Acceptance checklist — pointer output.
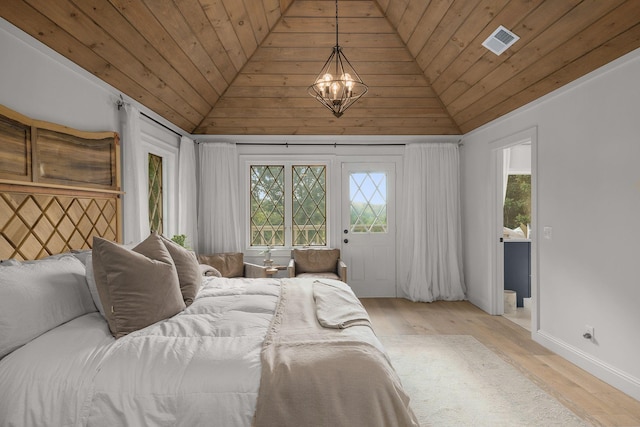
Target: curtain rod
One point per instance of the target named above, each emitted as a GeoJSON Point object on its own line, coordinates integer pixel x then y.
{"type": "Point", "coordinates": [320, 144]}
{"type": "Point", "coordinates": [161, 124]}
{"type": "Point", "coordinates": [334, 144]}
{"type": "Point", "coordinates": [120, 103]}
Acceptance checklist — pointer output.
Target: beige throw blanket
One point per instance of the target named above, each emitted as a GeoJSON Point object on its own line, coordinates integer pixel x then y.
{"type": "Point", "coordinates": [315, 376]}
{"type": "Point", "coordinates": [337, 306]}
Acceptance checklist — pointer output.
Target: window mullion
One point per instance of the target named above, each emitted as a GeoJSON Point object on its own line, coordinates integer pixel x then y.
{"type": "Point", "coordinates": [288, 205]}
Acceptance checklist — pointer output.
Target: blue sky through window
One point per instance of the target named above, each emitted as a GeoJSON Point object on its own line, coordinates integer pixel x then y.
{"type": "Point", "coordinates": [368, 187]}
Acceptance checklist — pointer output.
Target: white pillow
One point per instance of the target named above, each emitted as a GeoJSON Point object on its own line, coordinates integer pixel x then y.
{"type": "Point", "coordinates": [93, 288]}
{"type": "Point", "coordinates": [37, 297]}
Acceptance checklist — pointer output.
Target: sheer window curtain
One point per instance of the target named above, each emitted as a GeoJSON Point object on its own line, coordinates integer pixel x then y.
{"type": "Point", "coordinates": [218, 198]}
{"type": "Point", "coordinates": [134, 182]}
{"type": "Point", "coordinates": [187, 192]}
{"type": "Point", "coordinates": [430, 255]}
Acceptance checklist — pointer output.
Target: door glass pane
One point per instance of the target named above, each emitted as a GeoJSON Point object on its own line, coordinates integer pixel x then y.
{"type": "Point", "coordinates": [368, 202]}
{"type": "Point", "coordinates": [309, 205]}
{"type": "Point", "coordinates": [267, 205]}
{"type": "Point", "coordinates": [155, 193]}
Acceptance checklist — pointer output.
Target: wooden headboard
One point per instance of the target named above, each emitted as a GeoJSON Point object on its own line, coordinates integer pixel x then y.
{"type": "Point", "coordinates": [59, 187]}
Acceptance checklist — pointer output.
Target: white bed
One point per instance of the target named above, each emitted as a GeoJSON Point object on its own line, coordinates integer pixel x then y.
{"type": "Point", "coordinates": [170, 350]}
{"type": "Point", "coordinates": [202, 366]}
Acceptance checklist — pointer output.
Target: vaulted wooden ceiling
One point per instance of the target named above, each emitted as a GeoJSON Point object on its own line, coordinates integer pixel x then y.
{"type": "Point", "coordinates": [243, 66]}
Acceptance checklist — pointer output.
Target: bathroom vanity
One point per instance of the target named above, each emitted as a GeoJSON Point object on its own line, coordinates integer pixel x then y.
{"type": "Point", "coordinates": [517, 268]}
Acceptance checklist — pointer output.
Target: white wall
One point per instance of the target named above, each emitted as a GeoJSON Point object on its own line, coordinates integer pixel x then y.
{"type": "Point", "coordinates": [588, 160]}
{"type": "Point", "coordinates": [41, 84]}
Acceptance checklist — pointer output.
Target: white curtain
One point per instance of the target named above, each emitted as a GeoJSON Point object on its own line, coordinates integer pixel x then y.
{"type": "Point", "coordinates": [188, 192]}
{"type": "Point", "coordinates": [218, 213]}
{"type": "Point", "coordinates": [430, 254]}
{"type": "Point", "coordinates": [134, 183]}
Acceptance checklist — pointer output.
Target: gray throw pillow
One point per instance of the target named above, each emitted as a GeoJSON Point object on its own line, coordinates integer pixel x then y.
{"type": "Point", "coordinates": [188, 269]}
{"type": "Point", "coordinates": [137, 287]}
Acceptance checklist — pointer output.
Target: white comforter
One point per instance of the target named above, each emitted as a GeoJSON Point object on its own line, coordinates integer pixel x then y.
{"type": "Point", "coordinates": [201, 367]}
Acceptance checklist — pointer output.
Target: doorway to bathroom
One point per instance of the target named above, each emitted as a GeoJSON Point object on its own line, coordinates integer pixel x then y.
{"type": "Point", "coordinates": [514, 209]}
{"type": "Point", "coordinates": [516, 223]}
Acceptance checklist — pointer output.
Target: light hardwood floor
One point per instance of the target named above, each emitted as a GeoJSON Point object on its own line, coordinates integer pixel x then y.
{"type": "Point", "coordinates": [590, 398]}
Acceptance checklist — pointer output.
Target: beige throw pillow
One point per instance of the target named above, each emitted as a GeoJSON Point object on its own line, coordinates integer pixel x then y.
{"type": "Point", "coordinates": [188, 269]}
{"type": "Point", "coordinates": [229, 264]}
{"type": "Point", "coordinates": [316, 260]}
{"type": "Point", "coordinates": [137, 288]}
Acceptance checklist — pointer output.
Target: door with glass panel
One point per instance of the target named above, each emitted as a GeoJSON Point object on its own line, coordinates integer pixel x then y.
{"type": "Point", "coordinates": [368, 228]}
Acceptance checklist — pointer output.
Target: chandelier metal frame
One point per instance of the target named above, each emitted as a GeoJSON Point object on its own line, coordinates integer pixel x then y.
{"type": "Point", "coordinates": [337, 91]}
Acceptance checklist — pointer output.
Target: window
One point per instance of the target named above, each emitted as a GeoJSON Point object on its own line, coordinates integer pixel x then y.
{"type": "Point", "coordinates": [267, 205]}
{"type": "Point", "coordinates": [155, 193]}
{"type": "Point", "coordinates": [288, 205]}
{"type": "Point", "coordinates": [368, 202]}
{"type": "Point", "coordinates": [160, 157]}
{"type": "Point", "coordinates": [517, 202]}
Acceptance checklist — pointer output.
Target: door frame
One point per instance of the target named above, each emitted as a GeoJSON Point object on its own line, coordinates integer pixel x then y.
{"type": "Point", "coordinates": [496, 245]}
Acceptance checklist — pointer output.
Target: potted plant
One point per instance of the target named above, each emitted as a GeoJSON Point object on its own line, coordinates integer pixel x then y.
{"type": "Point", "coordinates": [267, 255]}
{"type": "Point", "coordinates": [180, 239]}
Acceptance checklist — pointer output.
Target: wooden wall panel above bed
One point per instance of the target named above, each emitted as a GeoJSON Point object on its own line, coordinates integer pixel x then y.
{"type": "Point", "coordinates": [15, 156]}
{"type": "Point", "coordinates": [67, 159]}
{"type": "Point", "coordinates": [59, 187]}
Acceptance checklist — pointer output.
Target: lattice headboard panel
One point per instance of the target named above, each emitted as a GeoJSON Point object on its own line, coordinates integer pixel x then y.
{"type": "Point", "coordinates": [59, 187]}
{"type": "Point", "coordinates": [38, 225]}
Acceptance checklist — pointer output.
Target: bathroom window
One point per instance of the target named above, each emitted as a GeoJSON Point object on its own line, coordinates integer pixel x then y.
{"type": "Point", "coordinates": [517, 202]}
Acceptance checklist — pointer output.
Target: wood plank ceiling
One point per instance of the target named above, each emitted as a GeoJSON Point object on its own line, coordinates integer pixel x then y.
{"type": "Point", "coordinates": [243, 66]}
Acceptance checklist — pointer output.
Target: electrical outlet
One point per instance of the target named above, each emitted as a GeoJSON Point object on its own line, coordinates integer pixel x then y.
{"type": "Point", "coordinates": [588, 332]}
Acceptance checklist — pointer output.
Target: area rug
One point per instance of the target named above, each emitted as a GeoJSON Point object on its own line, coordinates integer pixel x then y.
{"type": "Point", "coordinates": [454, 380]}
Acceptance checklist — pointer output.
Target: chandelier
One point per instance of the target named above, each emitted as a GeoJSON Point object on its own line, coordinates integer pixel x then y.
{"type": "Point", "coordinates": [338, 85]}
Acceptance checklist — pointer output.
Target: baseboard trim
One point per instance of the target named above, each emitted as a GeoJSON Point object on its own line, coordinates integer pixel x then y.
{"type": "Point", "coordinates": [596, 367]}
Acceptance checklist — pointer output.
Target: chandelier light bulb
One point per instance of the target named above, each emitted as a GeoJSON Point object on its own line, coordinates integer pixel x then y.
{"type": "Point", "coordinates": [335, 88]}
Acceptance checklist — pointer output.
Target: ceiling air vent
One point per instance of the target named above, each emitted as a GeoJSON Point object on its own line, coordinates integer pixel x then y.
{"type": "Point", "coordinates": [500, 40]}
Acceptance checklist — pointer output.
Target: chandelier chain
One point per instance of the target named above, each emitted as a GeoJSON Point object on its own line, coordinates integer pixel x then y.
{"type": "Point", "coordinates": [337, 44]}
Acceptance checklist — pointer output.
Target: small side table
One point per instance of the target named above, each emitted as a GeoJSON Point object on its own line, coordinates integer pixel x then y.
{"type": "Point", "coordinates": [271, 271]}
